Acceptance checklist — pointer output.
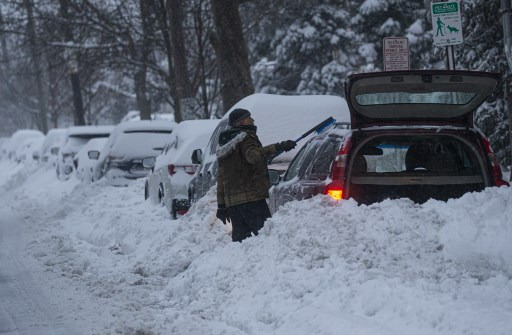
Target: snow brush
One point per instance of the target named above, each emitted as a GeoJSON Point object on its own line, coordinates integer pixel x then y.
{"type": "Point", "coordinates": [319, 128]}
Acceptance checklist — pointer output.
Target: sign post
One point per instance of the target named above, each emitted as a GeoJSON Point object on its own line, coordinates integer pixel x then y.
{"type": "Point", "coordinates": [396, 54]}
{"type": "Point", "coordinates": [447, 24]}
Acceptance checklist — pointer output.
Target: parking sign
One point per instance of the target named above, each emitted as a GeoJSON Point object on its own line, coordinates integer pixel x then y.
{"type": "Point", "coordinates": [447, 23]}
{"type": "Point", "coordinates": [396, 54]}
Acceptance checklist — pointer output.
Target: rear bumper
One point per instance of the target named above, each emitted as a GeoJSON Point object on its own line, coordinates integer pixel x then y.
{"type": "Point", "coordinates": [181, 205]}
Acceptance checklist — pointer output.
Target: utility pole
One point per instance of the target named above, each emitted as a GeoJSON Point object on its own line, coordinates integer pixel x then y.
{"type": "Point", "coordinates": [506, 16]}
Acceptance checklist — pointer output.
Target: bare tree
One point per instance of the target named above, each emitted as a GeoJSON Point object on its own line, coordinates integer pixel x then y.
{"type": "Point", "coordinates": [36, 64]}
{"type": "Point", "coordinates": [231, 50]}
{"type": "Point", "coordinates": [73, 69]}
{"type": "Point", "coordinates": [179, 56]}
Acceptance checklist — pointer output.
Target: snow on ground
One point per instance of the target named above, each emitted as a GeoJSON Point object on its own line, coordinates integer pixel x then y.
{"type": "Point", "coordinates": [318, 267]}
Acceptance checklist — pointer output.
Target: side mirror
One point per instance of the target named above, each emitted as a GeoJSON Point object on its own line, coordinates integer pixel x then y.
{"type": "Point", "coordinates": [197, 156]}
{"type": "Point", "coordinates": [93, 154]}
{"type": "Point", "coordinates": [274, 177]}
{"type": "Point", "coordinates": [54, 151]}
{"type": "Point", "coordinates": [149, 162]}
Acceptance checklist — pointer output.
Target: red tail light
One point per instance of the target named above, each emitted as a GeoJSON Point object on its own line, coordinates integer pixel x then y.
{"type": "Point", "coordinates": [336, 187]}
{"type": "Point", "coordinates": [335, 190]}
{"type": "Point", "coordinates": [189, 169]}
{"type": "Point", "coordinates": [171, 170]}
{"type": "Point", "coordinates": [495, 165]}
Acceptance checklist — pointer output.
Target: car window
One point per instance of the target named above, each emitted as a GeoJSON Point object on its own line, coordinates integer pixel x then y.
{"type": "Point", "coordinates": [323, 160]}
{"type": "Point", "coordinates": [297, 163]}
{"type": "Point", "coordinates": [214, 141]}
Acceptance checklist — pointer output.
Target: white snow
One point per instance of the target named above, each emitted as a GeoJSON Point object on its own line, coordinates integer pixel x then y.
{"type": "Point", "coordinates": [119, 265]}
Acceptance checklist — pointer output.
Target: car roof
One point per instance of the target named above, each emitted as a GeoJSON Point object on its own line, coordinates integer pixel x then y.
{"type": "Point", "coordinates": [146, 125]}
{"type": "Point", "coordinates": [191, 128]}
{"type": "Point", "coordinates": [88, 130]}
{"type": "Point", "coordinates": [284, 117]}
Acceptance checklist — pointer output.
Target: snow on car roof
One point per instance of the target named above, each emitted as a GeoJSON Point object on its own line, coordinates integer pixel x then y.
{"type": "Point", "coordinates": [187, 136]}
{"type": "Point", "coordinates": [145, 125]}
{"type": "Point", "coordinates": [53, 137]}
{"type": "Point", "coordinates": [89, 130]}
{"type": "Point", "coordinates": [17, 138]}
{"type": "Point", "coordinates": [287, 117]}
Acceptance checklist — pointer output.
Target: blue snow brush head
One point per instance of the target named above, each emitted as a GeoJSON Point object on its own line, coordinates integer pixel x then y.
{"type": "Point", "coordinates": [331, 121]}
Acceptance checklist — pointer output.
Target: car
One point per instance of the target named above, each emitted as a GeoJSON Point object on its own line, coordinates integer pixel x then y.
{"type": "Point", "coordinates": [278, 118]}
{"type": "Point", "coordinates": [17, 139]}
{"type": "Point", "coordinates": [412, 136]}
{"type": "Point", "coordinates": [130, 143]}
{"type": "Point", "coordinates": [167, 184]}
{"type": "Point", "coordinates": [3, 142]}
{"type": "Point", "coordinates": [86, 160]}
{"type": "Point", "coordinates": [51, 145]}
{"type": "Point", "coordinates": [75, 138]}
{"type": "Point", "coordinates": [29, 150]}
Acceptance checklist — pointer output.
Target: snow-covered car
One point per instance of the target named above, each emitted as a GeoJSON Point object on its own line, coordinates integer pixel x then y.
{"type": "Point", "coordinates": [412, 137]}
{"type": "Point", "coordinates": [167, 184]}
{"type": "Point", "coordinates": [75, 139]}
{"type": "Point", "coordinates": [29, 150]}
{"type": "Point", "coordinates": [130, 143]}
{"type": "Point", "coordinates": [86, 160]}
{"type": "Point", "coordinates": [278, 118]}
{"type": "Point", "coordinates": [16, 141]}
{"type": "Point", "coordinates": [51, 145]}
{"type": "Point", "coordinates": [3, 145]}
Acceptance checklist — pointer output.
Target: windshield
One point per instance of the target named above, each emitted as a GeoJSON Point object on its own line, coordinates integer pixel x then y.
{"type": "Point", "coordinates": [140, 144]}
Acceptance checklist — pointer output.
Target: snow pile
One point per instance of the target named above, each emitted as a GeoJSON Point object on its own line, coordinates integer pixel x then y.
{"type": "Point", "coordinates": [317, 267]}
{"type": "Point", "coordinates": [320, 267]}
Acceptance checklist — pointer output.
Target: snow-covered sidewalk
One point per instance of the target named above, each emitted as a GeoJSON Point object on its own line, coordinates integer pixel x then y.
{"type": "Point", "coordinates": [318, 267]}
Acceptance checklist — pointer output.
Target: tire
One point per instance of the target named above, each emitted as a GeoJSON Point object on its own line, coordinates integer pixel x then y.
{"type": "Point", "coordinates": [161, 194]}
{"type": "Point", "coordinates": [174, 215]}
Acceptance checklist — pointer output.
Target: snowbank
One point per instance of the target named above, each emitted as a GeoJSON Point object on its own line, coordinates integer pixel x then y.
{"type": "Point", "coordinates": [317, 267]}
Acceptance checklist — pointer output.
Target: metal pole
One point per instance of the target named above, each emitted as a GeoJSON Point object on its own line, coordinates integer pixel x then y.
{"type": "Point", "coordinates": [450, 57]}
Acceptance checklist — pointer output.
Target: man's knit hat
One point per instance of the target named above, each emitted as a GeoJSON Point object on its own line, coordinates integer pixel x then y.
{"type": "Point", "coordinates": [238, 115]}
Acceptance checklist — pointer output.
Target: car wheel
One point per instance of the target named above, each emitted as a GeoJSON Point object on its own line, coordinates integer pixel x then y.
{"type": "Point", "coordinates": [161, 194]}
{"type": "Point", "coordinates": [174, 215]}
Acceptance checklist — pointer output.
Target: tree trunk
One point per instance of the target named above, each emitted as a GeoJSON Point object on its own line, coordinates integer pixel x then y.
{"type": "Point", "coordinates": [200, 34]}
{"type": "Point", "coordinates": [231, 52]}
{"type": "Point", "coordinates": [73, 67]}
{"type": "Point", "coordinates": [5, 54]}
{"type": "Point", "coordinates": [36, 63]}
{"type": "Point", "coordinates": [145, 50]}
{"type": "Point", "coordinates": [171, 78]}
{"type": "Point", "coordinates": [183, 86]}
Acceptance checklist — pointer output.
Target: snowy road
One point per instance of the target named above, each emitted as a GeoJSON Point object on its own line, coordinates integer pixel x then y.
{"type": "Point", "coordinates": [24, 306]}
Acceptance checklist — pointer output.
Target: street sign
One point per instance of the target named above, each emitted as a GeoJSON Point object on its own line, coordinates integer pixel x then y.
{"type": "Point", "coordinates": [396, 54]}
{"type": "Point", "coordinates": [447, 23]}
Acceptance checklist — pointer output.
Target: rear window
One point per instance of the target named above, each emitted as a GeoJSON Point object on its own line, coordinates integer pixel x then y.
{"type": "Point", "coordinates": [435, 98]}
{"type": "Point", "coordinates": [435, 155]}
{"type": "Point", "coordinates": [139, 144]}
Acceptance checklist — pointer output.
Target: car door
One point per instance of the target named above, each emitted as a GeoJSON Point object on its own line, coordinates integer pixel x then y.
{"type": "Point", "coordinates": [312, 182]}
{"type": "Point", "coordinates": [207, 172]}
{"type": "Point", "coordinates": [289, 188]}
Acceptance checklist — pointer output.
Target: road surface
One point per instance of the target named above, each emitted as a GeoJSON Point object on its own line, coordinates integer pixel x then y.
{"type": "Point", "coordinates": [25, 305]}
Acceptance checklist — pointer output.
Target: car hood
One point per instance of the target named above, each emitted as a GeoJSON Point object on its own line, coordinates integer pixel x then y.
{"type": "Point", "coordinates": [417, 97]}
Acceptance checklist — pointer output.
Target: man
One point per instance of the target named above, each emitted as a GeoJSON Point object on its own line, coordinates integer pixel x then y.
{"type": "Point", "coordinates": [242, 176]}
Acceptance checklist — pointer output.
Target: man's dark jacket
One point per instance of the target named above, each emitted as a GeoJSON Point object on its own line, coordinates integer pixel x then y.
{"type": "Point", "coordinates": [242, 175]}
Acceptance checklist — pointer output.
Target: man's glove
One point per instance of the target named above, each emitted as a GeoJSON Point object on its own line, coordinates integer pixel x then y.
{"type": "Point", "coordinates": [222, 214]}
{"type": "Point", "coordinates": [286, 145]}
